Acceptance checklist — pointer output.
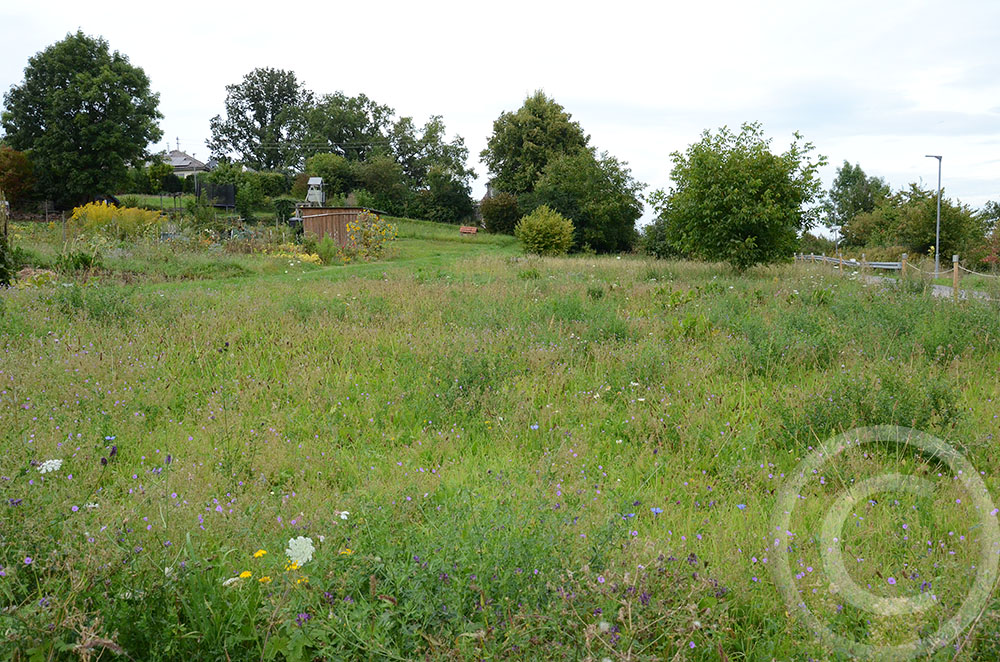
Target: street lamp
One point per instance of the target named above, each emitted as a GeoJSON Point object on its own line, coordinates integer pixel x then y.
{"type": "Point", "coordinates": [937, 240]}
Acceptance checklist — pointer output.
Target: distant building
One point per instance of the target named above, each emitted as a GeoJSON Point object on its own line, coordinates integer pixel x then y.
{"type": "Point", "coordinates": [184, 164]}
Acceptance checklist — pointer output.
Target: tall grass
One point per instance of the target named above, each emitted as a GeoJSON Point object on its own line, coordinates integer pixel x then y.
{"type": "Point", "coordinates": [539, 458]}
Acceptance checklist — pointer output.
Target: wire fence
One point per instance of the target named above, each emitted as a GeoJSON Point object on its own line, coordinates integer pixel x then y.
{"type": "Point", "coordinates": [904, 266]}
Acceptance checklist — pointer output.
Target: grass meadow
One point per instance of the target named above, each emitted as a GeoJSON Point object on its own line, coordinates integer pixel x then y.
{"type": "Point", "coordinates": [496, 457]}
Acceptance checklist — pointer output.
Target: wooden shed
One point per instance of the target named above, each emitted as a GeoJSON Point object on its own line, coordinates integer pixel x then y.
{"type": "Point", "coordinates": [329, 221]}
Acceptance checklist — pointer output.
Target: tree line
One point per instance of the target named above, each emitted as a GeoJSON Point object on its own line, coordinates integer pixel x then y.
{"type": "Point", "coordinates": [80, 123]}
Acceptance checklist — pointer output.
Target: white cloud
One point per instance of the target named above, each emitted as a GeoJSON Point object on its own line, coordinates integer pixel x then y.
{"type": "Point", "coordinates": [880, 84]}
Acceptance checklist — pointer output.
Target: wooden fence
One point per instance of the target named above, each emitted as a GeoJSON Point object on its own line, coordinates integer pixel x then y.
{"type": "Point", "coordinates": [328, 221]}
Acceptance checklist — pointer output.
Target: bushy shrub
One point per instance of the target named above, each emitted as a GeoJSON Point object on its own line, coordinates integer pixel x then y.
{"type": "Point", "coordinates": [500, 213]}
{"type": "Point", "coordinates": [545, 232]}
{"type": "Point", "coordinates": [272, 184]}
{"type": "Point", "coordinates": [284, 208]}
{"type": "Point", "coordinates": [655, 242]}
{"type": "Point", "coordinates": [368, 236]}
{"type": "Point", "coordinates": [73, 259]}
{"type": "Point", "coordinates": [131, 201]}
{"type": "Point", "coordinates": [120, 223]}
{"type": "Point", "coordinates": [328, 250]}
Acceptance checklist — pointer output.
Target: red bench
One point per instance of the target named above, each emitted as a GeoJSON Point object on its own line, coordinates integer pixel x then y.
{"type": "Point", "coordinates": [466, 229]}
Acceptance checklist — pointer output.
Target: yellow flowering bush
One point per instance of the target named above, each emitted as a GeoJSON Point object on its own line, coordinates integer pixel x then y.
{"type": "Point", "coordinates": [368, 237]}
{"type": "Point", "coordinates": [114, 222]}
{"type": "Point", "coordinates": [292, 252]}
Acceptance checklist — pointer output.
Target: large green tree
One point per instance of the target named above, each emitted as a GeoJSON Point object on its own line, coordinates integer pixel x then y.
{"type": "Point", "coordinates": [734, 200]}
{"type": "Point", "coordinates": [909, 219]}
{"type": "Point", "coordinates": [598, 194]}
{"type": "Point", "coordinates": [352, 127]}
{"type": "Point", "coordinates": [430, 149]}
{"type": "Point", "coordinates": [17, 176]}
{"type": "Point", "coordinates": [264, 122]}
{"type": "Point", "coordinates": [524, 142]}
{"type": "Point", "coordinates": [853, 192]}
{"type": "Point", "coordinates": [83, 114]}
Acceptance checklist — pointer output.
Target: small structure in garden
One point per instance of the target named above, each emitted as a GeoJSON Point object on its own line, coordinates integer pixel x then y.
{"type": "Point", "coordinates": [315, 196]}
{"type": "Point", "coordinates": [330, 221]}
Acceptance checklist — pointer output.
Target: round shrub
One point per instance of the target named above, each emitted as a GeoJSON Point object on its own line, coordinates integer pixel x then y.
{"type": "Point", "coordinates": [545, 232]}
{"type": "Point", "coordinates": [500, 213]}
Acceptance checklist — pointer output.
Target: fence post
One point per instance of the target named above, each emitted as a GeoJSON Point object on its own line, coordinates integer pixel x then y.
{"type": "Point", "coordinates": [864, 263]}
{"type": "Point", "coordinates": [902, 267]}
{"type": "Point", "coordinates": [954, 277]}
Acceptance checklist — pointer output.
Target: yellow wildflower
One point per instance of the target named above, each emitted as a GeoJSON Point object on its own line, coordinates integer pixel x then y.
{"type": "Point", "coordinates": [246, 574]}
{"type": "Point", "coordinates": [259, 553]}
{"type": "Point", "coordinates": [347, 551]}
{"type": "Point", "coordinates": [265, 580]}
{"type": "Point", "coordinates": [302, 580]}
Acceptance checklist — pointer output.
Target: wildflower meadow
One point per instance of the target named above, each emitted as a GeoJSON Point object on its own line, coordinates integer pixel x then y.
{"type": "Point", "coordinates": [455, 452]}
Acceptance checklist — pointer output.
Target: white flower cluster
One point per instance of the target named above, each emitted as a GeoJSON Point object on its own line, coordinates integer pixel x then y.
{"type": "Point", "coordinates": [49, 465]}
{"type": "Point", "coordinates": [300, 550]}
{"type": "Point", "coordinates": [344, 514]}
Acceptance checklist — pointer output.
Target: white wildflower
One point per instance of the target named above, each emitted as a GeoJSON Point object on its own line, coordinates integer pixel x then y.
{"type": "Point", "coordinates": [91, 506]}
{"type": "Point", "coordinates": [300, 550]}
{"type": "Point", "coordinates": [49, 465]}
{"type": "Point", "coordinates": [604, 626]}
{"type": "Point", "coordinates": [230, 581]}
{"type": "Point", "coordinates": [344, 515]}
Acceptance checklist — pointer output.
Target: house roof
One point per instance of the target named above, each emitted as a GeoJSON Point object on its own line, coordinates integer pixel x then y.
{"type": "Point", "coordinates": [183, 161]}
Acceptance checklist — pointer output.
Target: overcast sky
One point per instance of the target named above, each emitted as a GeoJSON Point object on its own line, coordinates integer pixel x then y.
{"type": "Point", "coordinates": [876, 83]}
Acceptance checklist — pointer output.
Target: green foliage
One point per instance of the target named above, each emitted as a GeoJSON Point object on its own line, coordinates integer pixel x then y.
{"type": "Point", "coordinates": [735, 201]}
{"type": "Point", "coordinates": [272, 184]}
{"type": "Point", "coordinates": [72, 259]}
{"type": "Point", "coordinates": [500, 213]}
{"type": "Point", "coordinates": [368, 237]}
{"type": "Point", "coordinates": [328, 250]}
{"type": "Point", "coordinates": [852, 193]}
{"type": "Point", "coordinates": [545, 232]}
{"type": "Point", "coordinates": [447, 198]}
{"type": "Point", "coordinates": [249, 198]}
{"type": "Point", "coordinates": [524, 142]}
{"type": "Point", "coordinates": [429, 152]}
{"type": "Point", "coordinates": [117, 223]}
{"type": "Point", "coordinates": [909, 218]}
{"type": "Point", "coordinates": [655, 241]}
{"type": "Point", "coordinates": [85, 114]}
{"type": "Point", "coordinates": [383, 178]}
{"type": "Point", "coordinates": [815, 244]}
{"type": "Point", "coordinates": [339, 175]}
{"type": "Point", "coordinates": [263, 120]}
{"type": "Point", "coordinates": [351, 127]}
{"type": "Point", "coordinates": [17, 175]}
{"type": "Point", "coordinates": [598, 195]}
{"type": "Point", "coordinates": [284, 209]}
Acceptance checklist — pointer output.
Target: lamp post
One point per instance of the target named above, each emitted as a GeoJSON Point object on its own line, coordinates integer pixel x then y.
{"type": "Point", "coordinates": [937, 240]}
